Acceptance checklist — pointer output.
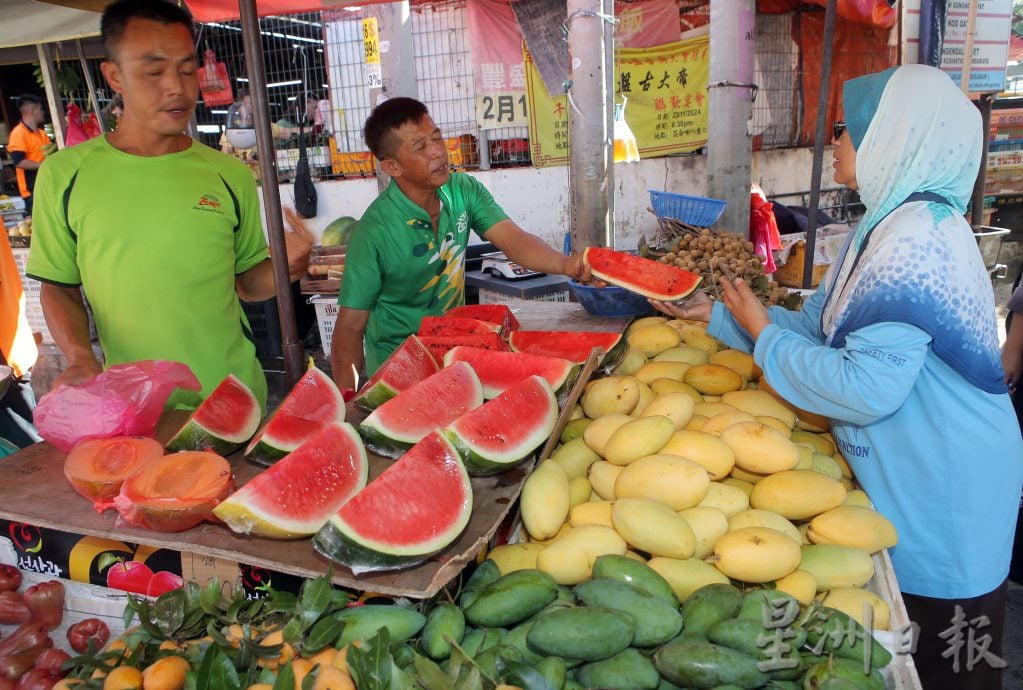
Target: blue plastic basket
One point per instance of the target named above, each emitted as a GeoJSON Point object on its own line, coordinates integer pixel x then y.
{"type": "Point", "coordinates": [694, 210]}
{"type": "Point", "coordinates": [610, 301]}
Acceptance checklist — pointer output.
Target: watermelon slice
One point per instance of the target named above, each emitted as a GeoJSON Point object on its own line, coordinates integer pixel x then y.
{"type": "Point", "coordinates": [297, 495]}
{"type": "Point", "coordinates": [222, 422]}
{"type": "Point", "coordinates": [644, 276]}
{"type": "Point", "coordinates": [499, 371]}
{"type": "Point", "coordinates": [498, 314]}
{"type": "Point", "coordinates": [575, 346]}
{"type": "Point", "coordinates": [407, 366]}
{"type": "Point", "coordinates": [455, 325]}
{"type": "Point", "coordinates": [440, 344]}
{"type": "Point", "coordinates": [406, 419]}
{"type": "Point", "coordinates": [417, 507]}
{"type": "Point", "coordinates": [313, 402]}
{"type": "Point", "coordinates": [503, 432]}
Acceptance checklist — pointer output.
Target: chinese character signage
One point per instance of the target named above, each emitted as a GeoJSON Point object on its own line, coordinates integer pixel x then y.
{"type": "Point", "coordinates": [666, 92]}
{"type": "Point", "coordinates": [497, 56]}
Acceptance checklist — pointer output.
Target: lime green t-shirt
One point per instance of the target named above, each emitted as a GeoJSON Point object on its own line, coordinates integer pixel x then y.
{"type": "Point", "coordinates": [156, 244]}
{"type": "Point", "coordinates": [399, 271]}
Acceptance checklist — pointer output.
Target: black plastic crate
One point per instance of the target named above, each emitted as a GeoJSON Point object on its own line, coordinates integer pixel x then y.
{"type": "Point", "coordinates": [265, 325]}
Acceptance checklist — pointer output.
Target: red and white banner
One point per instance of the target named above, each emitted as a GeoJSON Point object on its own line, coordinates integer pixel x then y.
{"type": "Point", "coordinates": [647, 24]}
{"type": "Point", "coordinates": [496, 44]}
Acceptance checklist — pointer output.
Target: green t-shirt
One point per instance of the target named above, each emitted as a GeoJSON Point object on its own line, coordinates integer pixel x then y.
{"type": "Point", "coordinates": [156, 244]}
{"type": "Point", "coordinates": [399, 271]}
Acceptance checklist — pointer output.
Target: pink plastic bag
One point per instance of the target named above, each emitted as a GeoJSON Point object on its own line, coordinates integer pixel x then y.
{"type": "Point", "coordinates": [125, 400]}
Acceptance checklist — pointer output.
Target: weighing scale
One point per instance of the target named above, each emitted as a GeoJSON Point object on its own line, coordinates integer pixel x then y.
{"type": "Point", "coordinates": [499, 265]}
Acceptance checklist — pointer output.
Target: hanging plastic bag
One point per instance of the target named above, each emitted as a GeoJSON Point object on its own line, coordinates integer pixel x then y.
{"type": "Point", "coordinates": [80, 127]}
{"type": "Point", "coordinates": [305, 191]}
{"type": "Point", "coordinates": [214, 83]}
{"type": "Point", "coordinates": [763, 230]}
{"type": "Point", "coordinates": [125, 400]}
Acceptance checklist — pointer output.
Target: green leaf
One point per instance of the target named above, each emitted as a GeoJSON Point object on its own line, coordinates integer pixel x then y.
{"type": "Point", "coordinates": [314, 600]}
{"type": "Point", "coordinates": [210, 597]}
{"type": "Point", "coordinates": [107, 559]}
{"type": "Point", "coordinates": [324, 634]}
{"type": "Point", "coordinates": [339, 598]}
{"type": "Point", "coordinates": [142, 609]}
{"type": "Point", "coordinates": [192, 624]}
{"type": "Point", "coordinates": [310, 679]}
{"type": "Point", "coordinates": [293, 630]}
{"type": "Point", "coordinates": [277, 602]}
{"type": "Point", "coordinates": [205, 670]}
{"type": "Point", "coordinates": [192, 593]}
{"type": "Point", "coordinates": [223, 676]}
{"type": "Point", "coordinates": [400, 680]}
{"type": "Point", "coordinates": [285, 679]}
{"type": "Point", "coordinates": [431, 675]}
{"type": "Point", "coordinates": [234, 609]}
{"type": "Point", "coordinates": [371, 663]}
{"type": "Point", "coordinates": [129, 612]}
{"type": "Point", "coordinates": [524, 676]}
{"type": "Point", "coordinates": [169, 611]}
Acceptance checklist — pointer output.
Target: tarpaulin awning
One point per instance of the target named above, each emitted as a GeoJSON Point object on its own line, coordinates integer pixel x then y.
{"type": "Point", "coordinates": [27, 22]}
{"type": "Point", "coordinates": [204, 11]}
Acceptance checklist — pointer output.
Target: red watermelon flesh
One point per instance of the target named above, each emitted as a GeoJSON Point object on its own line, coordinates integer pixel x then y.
{"type": "Point", "coordinates": [454, 325]}
{"type": "Point", "coordinates": [644, 276]}
{"type": "Point", "coordinates": [313, 402]}
{"type": "Point", "coordinates": [223, 421]}
{"type": "Point", "coordinates": [405, 367]}
{"type": "Point", "coordinates": [432, 403]}
{"type": "Point", "coordinates": [575, 346]}
{"type": "Point", "coordinates": [418, 506]}
{"type": "Point", "coordinates": [498, 314]}
{"type": "Point", "coordinates": [296, 496]}
{"type": "Point", "coordinates": [440, 344]}
{"type": "Point", "coordinates": [499, 371]}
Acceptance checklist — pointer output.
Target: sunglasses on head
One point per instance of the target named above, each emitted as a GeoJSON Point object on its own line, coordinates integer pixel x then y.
{"type": "Point", "coordinates": [837, 128]}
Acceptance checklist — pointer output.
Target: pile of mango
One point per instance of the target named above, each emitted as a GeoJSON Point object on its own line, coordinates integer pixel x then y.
{"type": "Point", "coordinates": [682, 459]}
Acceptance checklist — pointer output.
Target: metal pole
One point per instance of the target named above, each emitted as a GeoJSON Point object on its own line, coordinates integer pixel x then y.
{"type": "Point", "coordinates": [818, 145]}
{"type": "Point", "coordinates": [294, 355]}
{"type": "Point", "coordinates": [608, 8]}
{"type": "Point", "coordinates": [730, 104]}
{"type": "Point", "coordinates": [977, 205]}
{"type": "Point", "coordinates": [590, 152]}
{"type": "Point", "coordinates": [89, 84]}
{"type": "Point", "coordinates": [967, 67]}
{"type": "Point", "coordinates": [45, 51]}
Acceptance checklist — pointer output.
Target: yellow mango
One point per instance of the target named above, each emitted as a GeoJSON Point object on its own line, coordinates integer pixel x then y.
{"type": "Point", "coordinates": [730, 500]}
{"type": "Point", "coordinates": [638, 438]}
{"type": "Point", "coordinates": [569, 559]}
{"type": "Point", "coordinates": [756, 554]}
{"type": "Point", "coordinates": [856, 601]}
{"type": "Point", "coordinates": [597, 434]}
{"type": "Point", "coordinates": [562, 531]}
{"type": "Point", "coordinates": [631, 362]}
{"type": "Point", "coordinates": [751, 477]}
{"type": "Point", "coordinates": [753, 517]}
{"type": "Point", "coordinates": [713, 379]}
{"type": "Point", "coordinates": [610, 395]}
{"type": "Point", "coordinates": [698, 339]}
{"type": "Point", "coordinates": [577, 412]}
{"type": "Point", "coordinates": [678, 407]}
{"type": "Point", "coordinates": [805, 461]}
{"type": "Point", "coordinates": [545, 501]}
{"type": "Point", "coordinates": [800, 584]}
{"type": "Point", "coordinates": [804, 537]}
{"type": "Point", "coordinates": [806, 420]}
{"type": "Point", "coordinates": [653, 527]}
{"type": "Point", "coordinates": [760, 403]}
{"type": "Point", "coordinates": [759, 448]}
{"type": "Point", "coordinates": [683, 353]}
{"type": "Point", "coordinates": [826, 465]}
{"type": "Point", "coordinates": [740, 362]}
{"type": "Point", "coordinates": [574, 429]}
{"type": "Point", "coordinates": [847, 483]}
{"type": "Point", "coordinates": [644, 322]}
{"type": "Point", "coordinates": [702, 448]}
{"type": "Point", "coordinates": [739, 483]}
{"type": "Point", "coordinates": [858, 497]}
{"type": "Point", "coordinates": [712, 398]}
{"type": "Point", "coordinates": [575, 457]}
{"type": "Point", "coordinates": [676, 482]}
{"type": "Point", "coordinates": [512, 557]}
{"type": "Point", "coordinates": [664, 386]}
{"type": "Point", "coordinates": [653, 340]}
{"type": "Point", "coordinates": [696, 423]}
{"type": "Point", "coordinates": [646, 396]}
{"type": "Point", "coordinates": [579, 491]}
{"type": "Point", "coordinates": [775, 424]}
{"type": "Point", "coordinates": [722, 420]}
{"type": "Point", "coordinates": [857, 526]}
{"type": "Point", "coordinates": [710, 409]}
{"type": "Point", "coordinates": [685, 576]}
{"type": "Point", "coordinates": [592, 513]}
{"type": "Point", "coordinates": [834, 566]}
{"type": "Point", "coordinates": [797, 494]}
{"type": "Point", "coordinates": [603, 476]}
{"type": "Point", "coordinates": [662, 370]}
{"type": "Point", "coordinates": [820, 443]}
{"type": "Point", "coordinates": [708, 524]}
{"type": "Point", "coordinates": [844, 464]}
{"type": "Point", "coordinates": [635, 556]}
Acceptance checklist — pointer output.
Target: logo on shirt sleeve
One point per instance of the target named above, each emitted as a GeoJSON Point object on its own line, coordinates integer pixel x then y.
{"type": "Point", "coordinates": [209, 203]}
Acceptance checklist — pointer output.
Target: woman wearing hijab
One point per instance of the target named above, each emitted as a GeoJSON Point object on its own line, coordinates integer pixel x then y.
{"type": "Point", "coordinates": [898, 347]}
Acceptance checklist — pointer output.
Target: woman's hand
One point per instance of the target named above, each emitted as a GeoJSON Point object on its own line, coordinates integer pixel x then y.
{"type": "Point", "coordinates": [1012, 363]}
{"type": "Point", "coordinates": [746, 307]}
{"type": "Point", "coordinates": [698, 307]}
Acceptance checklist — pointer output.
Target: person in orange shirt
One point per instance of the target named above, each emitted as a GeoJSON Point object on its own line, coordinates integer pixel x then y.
{"type": "Point", "coordinates": [17, 351]}
{"type": "Point", "coordinates": [27, 144]}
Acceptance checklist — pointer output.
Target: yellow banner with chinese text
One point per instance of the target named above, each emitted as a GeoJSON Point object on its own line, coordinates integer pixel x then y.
{"type": "Point", "coordinates": [665, 88]}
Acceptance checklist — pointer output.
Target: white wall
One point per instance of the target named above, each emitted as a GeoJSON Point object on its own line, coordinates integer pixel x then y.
{"type": "Point", "coordinates": [537, 198]}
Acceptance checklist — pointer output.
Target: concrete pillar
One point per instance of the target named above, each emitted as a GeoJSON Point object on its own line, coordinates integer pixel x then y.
{"type": "Point", "coordinates": [45, 51]}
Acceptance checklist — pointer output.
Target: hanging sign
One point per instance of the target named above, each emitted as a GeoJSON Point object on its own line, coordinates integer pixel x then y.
{"type": "Point", "coordinates": [496, 42]}
{"type": "Point", "coordinates": [371, 46]}
{"type": "Point", "coordinates": [990, 43]}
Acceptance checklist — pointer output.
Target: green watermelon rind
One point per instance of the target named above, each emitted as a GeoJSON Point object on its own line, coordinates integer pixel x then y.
{"type": "Point", "coordinates": [382, 444]}
{"type": "Point", "coordinates": [562, 386]}
{"type": "Point", "coordinates": [481, 463]}
{"type": "Point", "coordinates": [194, 436]}
{"type": "Point", "coordinates": [337, 542]}
{"type": "Point", "coordinates": [609, 361]}
{"type": "Point", "coordinates": [623, 280]}
{"type": "Point", "coordinates": [380, 392]}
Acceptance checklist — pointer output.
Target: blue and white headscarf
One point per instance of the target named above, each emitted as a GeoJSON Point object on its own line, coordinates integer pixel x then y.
{"type": "Point", "coordinates": [914, 131]}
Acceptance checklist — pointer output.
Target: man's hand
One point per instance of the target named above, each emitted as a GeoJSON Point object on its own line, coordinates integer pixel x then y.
{"type": "Point", "coordinates": [697, 307]}
{"type": "Point", "coordinates": [298, 242]}
{"type": "Point", "coordinates": [1012, 363]}
{"type": "Point", "coordinates": [78, 372]}
{"type": "Point", "coordinates": [746, 307]}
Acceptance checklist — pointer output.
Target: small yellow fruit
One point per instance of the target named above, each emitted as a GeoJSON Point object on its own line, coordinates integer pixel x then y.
{"type": "Point", "coordinates": [704, 449]}
{"type": "Point", "coordinates": [685, 576]}
{"type": "Point", "coordinates": [857, 526]}
{"type": "Point", "coordinates": [709, 525]}
{"type": "Point", "coordinates": [689, 355]}
{"type": "Point", "coordinates": [603, 476]}
{"type": "Point", "coordinates": [722, 420]}
{"type": "Point", "coordinates": [653, 527]}
{"type": "Point", "coordinates": [654, 339]}
{"type": "Point", "coordinates": [730, 500]}
{"type": "Point", "coordinates": [599, 432]}
{"type": "Point", "coordinates": [764, 518]}
{"type": "Point", "coordinates": [855, 602]}
{"type": "Point", "coordinates": [123, 678]}
{"type": "Point", "coordinates": [756, 554]}
{"type": "Point", "coordinates": [591, 513]}
{"type": "Point", "coordinates": [797, 494]}
{"type": "Point", "coordinates": [167, 673]}
{"type": "Point", "coordinates": [800, 584]}
{"type": "Point", "coordinates": [333, 679]}
{"type": "Point", "coordinates": [662, 370]}
{"type": "Point", "coordinates": [664, 386]}
{"type": "Point", "coordinates": [512, 557]}
{"type": "Point", "coordinates": [546, 499]}
{"type": "Point", "coordinates": [740, 362]}
{"type": "Point", "coordinates": [678, 407]}
{"type": "Point", "coordinates": [759, 448]}
{"type": "Point", "coordinates": [638, 438]}
{"type": "Point", "coordinates": [713, 379]}
{"type": "Point", "coordinates": [610, 395]}
{"type": "Point", "coordinates": [676, 482]}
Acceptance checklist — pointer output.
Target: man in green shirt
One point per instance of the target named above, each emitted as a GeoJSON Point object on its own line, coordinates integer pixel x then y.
{"type": "Point", "coordinates": [406, 258]}
{"type": "Point", "coordinates": [161, 233]}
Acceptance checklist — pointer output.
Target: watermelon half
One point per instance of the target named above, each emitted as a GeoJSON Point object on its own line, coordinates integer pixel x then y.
{"type": "Point", "coordinates": [433, 403]}
{"type": "Point", "coordinates": [296, 496]}
{"type": "Point", "coordinates": [406, 366]}
{"type": "Point", "coordinates": [313, 402]}
{"type": "Point", "coordinates": [575, 346]}
{"type": "Point", "coordinates": [455, 325]}
{"type": "Point", "coordinates": [499, 371]}
{"type": "Point", "coordinates": [498, 314]}
{"type": "Point", "coordinates": [506, 430]}
{"type": "Point", "coordinates": [438, 345]}
{"type": "Point", "coordinates": [417, 507]}
{"type": "Point", "coordinates": [222, 422]}
{"type": "Point", "coordinates": [644, 276]}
